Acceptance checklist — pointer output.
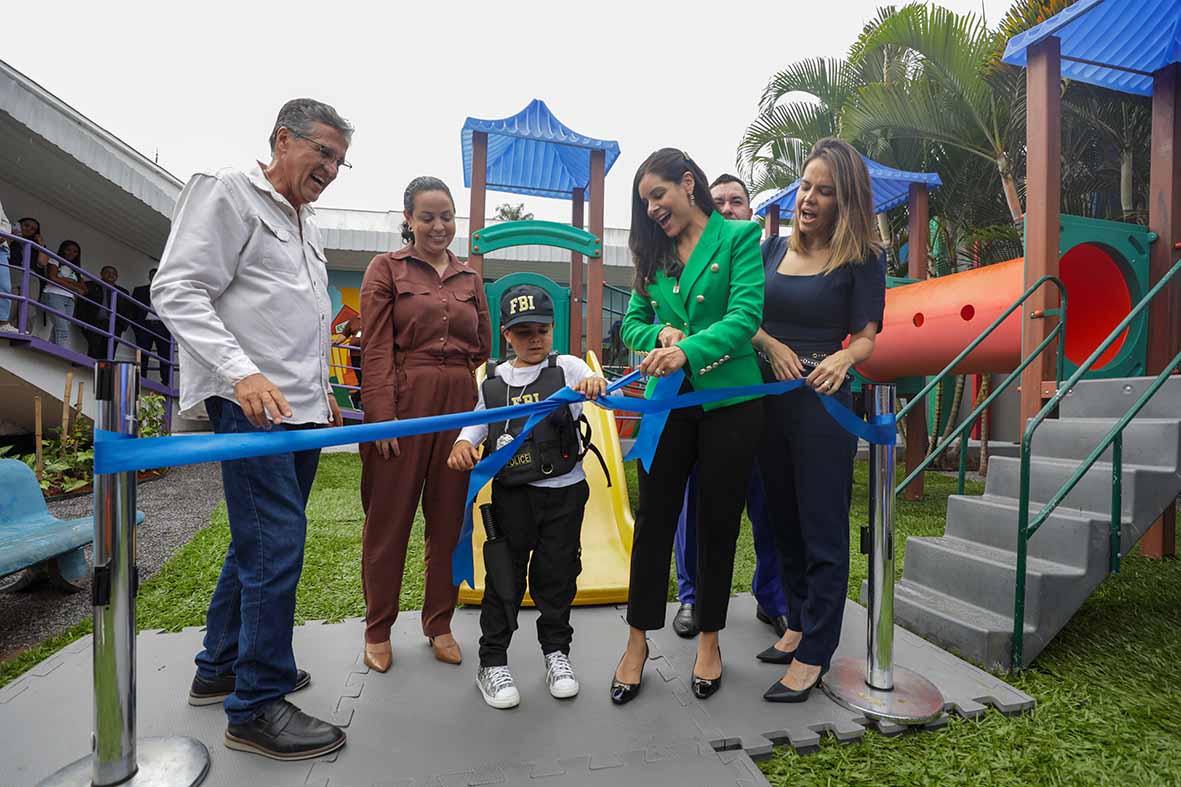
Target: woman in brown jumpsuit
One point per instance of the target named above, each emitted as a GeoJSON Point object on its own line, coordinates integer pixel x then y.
{"type": "Point", "coordinates": [425, 321]}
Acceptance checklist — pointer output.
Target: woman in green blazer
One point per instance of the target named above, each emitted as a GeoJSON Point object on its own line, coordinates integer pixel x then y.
{"type": "Point", "coordinates": [696, 303]}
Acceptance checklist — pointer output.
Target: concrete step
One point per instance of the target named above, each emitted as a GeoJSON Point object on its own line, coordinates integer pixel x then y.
{"type": "Point", "coordinates": [974, 633]}
{"type": "Point", "coordinates": [1146, 489]}
{"type": "Point", "coordinates": [986, 577]}
{"type": "Point", "coordinates": [1147, 441]}
{"type": "Point", "coordinates": [1070, 538]}
{"type": "Point", "coordinates": [1112, 398]}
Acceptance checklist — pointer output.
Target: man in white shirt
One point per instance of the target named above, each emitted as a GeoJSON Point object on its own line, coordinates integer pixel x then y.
{"type": "Point", "coordinates": [242, 286]}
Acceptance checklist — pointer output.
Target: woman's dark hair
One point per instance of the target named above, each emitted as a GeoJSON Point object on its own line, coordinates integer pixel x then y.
{"type": "Point", "coordinates": [651, 249]}
{"type": "Point", "coordinates": [416, 187]}
{"type": "Point", "coordinates": [61, 251]}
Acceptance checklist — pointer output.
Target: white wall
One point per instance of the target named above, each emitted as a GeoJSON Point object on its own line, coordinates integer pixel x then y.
{"type": "Point", "coordinates": [98, 249]}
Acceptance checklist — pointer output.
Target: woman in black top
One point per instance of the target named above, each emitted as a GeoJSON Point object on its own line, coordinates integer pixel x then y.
{"type": "Point", "coordinates": [827, 283]}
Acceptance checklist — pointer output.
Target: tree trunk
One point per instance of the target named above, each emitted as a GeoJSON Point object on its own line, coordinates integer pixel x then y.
{"type": "Point", "coordinates": [884, 230]}
{"type": "Point", "coordinates": [1010, 185]}
{"type": "Point", "coordinates": [957, 399]}
{"type": "Point", "coordinates": [985, 386]}
{"type": "Point", "coordinates": [1125, 181]}
{"type": "Point", "coordinates": [933, 440]}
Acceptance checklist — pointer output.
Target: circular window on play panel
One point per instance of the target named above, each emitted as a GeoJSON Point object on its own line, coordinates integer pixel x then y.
{"type": "Point", "coordinates": [1097, 299]}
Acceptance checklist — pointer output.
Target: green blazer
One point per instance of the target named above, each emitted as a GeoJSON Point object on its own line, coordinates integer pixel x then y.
{"type": "Point", "coordinates": [719, 307]}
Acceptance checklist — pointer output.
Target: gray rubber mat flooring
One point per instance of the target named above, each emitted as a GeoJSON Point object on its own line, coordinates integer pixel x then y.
{"type": "Point", "coordinates": [423, 723]}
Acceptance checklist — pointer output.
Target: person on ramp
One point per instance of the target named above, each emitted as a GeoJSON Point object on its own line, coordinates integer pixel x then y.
{"type": "Point", "coordinates": [538, 497]}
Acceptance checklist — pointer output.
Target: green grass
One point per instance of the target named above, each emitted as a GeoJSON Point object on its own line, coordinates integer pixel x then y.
{"type": "Point", "coordinates": [1108, 688]}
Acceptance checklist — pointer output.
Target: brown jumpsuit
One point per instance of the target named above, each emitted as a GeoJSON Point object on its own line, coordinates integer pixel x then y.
{"type": "Point", "coordinates": [424, 335]}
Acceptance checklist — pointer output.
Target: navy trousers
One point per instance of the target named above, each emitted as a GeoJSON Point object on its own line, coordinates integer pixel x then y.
{"type": "Point", "coordinates": [807, 464]}
{"type": "Point", "coordinates": [765, 584]}
{"type": "Point", "coordinates": [249, 624]}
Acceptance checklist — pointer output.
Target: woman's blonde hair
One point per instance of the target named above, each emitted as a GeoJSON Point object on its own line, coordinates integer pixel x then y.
{"type": "Point", "coordinates": [853, 233]}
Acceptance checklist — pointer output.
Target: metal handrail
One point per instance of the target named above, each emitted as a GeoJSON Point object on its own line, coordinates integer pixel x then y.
{"type": "Point", "coordinates": [113, 316]}
{"type": "Point", "coordinates": [1058, 332]}
{"type": "Point", "coordinates": [1113, 438]}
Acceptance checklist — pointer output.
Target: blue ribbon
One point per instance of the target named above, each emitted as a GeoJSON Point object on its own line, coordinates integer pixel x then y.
{"type": "Point", "coordinates": [116, 453]}
{"type": "Point", "coordinates": [652, 427]}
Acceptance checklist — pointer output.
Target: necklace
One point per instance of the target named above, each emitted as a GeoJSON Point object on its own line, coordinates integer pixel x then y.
{"type": "Point", "coordinates": [507, 437]}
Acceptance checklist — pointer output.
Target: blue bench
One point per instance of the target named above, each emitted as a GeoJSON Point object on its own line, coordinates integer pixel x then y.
{"type": "Point", "coordinates": [33, 538]}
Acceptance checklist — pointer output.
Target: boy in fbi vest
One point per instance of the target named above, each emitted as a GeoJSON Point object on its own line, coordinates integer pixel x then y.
{"type": "Point", "coordinates": [537, 498]}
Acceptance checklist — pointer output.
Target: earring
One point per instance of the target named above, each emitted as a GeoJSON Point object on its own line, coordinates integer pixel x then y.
{"type": "Point", "coordinates": [692, 199]}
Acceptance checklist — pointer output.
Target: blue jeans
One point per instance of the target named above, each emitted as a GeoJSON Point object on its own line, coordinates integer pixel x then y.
{"type": "Point", "coordinates": [5, 284]}
{"type": "Point", "coordinates": [61, 325]}
{"type": "Point", "coordinates": [249, 624]}
{"type": "Point", "coordinates": [765, 585]}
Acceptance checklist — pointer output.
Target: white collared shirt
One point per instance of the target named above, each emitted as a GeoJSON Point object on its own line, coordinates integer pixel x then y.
{"type": "Point", "coordinates": [243, 291]}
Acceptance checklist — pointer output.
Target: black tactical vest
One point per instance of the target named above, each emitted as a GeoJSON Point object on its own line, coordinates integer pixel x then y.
{"type": "Point", "coordinates": [553, 448]}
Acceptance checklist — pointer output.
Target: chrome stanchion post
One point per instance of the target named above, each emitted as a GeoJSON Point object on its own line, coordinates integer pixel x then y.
{"type": "Point", "coordinates": [876, 687]}
{"type": "Point", "coordinates": [879, 664]}
{"type": "Point", "coordinates": [117, 757]}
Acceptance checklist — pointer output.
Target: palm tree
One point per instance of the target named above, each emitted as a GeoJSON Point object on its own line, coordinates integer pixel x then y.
{"type": "Point", "coordinates": [954, 98]}
{"type": "Point", "coordinates": [777, 142]}
{"type": "Point", "coordinates": [1113, 121]}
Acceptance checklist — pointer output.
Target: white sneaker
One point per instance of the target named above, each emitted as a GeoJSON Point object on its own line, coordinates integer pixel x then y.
{"type": "Point", "coordinates": [559, 675]}
{"type": "Point", "coordinates": [8, 328]}
{"type": "Point", "coordinates": [498, 688]}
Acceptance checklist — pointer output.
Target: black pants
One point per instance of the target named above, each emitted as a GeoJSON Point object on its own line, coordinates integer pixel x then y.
{"type": "Point", "coordinates": [722, 444]}
{"type": "Point", "coordinates": [154, 334]}
{"type": "Point", "coordinates": [807, 465]}
{"type": "Point", "coordinates": [547, 522]}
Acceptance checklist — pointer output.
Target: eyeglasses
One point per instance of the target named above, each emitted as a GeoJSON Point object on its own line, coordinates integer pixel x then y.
{"type": "Point", "coordinates": [326, 153]}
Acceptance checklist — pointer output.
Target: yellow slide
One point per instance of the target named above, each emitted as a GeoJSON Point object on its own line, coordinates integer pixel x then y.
{"type": "Point", "coordinates": [606, 527]}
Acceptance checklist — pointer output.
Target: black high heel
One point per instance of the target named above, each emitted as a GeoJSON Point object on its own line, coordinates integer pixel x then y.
{"type": "Point", "coordinates": [774, 655]}
{"type": "Point", "coordinates": [780, 693]}
{"type": "Point", "coordinates": [705, 688]}
{"type": "Point", "coordinates": [623, 693]}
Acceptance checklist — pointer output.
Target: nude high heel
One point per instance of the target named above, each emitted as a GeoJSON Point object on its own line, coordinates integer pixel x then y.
{"type": "Point", "coordinates": [379, 655]}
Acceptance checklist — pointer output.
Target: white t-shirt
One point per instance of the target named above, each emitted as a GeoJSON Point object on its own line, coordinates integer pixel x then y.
{"type": "Point", "coordinates": [65, 272]}
{"type": "Point", "coordinates": [576, 371]}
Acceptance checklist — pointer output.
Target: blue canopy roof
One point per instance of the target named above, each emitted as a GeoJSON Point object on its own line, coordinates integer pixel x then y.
{"type": "Point", "coordinates": [890, 186]}
{"type": "Point", "coordinates": [1116, 44]}
{"type": "Point", "coordinates": [532, 152]}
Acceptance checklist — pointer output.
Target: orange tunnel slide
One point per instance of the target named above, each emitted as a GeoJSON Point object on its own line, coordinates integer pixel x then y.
{"type": "Point", "coordinates": [928, 323]}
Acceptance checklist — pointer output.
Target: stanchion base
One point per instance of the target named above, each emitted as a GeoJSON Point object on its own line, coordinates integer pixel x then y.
{"type": "Point", "coordinates": [173, 761]}
{"type": "Point", "coordinates": [913, 700]}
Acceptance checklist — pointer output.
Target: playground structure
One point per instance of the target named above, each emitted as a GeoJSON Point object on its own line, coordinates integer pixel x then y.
{"type": "Point", "coordinates": [533, 153]}
{"type": "Point", "coordinates": [1091, 308]}
{"type": "Point", "coordinates": [1103, 268]}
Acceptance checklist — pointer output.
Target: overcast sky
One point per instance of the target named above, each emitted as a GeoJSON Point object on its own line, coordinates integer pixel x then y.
{"type": "Point", "coordinates": [200, 83]}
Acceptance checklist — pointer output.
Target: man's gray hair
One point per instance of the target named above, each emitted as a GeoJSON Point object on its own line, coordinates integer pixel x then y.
{"type": "Point", "coordinates": [299, 114]}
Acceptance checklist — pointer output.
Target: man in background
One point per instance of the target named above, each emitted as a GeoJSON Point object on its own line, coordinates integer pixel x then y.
{"type": "Point", "coordinates": [732, 200]}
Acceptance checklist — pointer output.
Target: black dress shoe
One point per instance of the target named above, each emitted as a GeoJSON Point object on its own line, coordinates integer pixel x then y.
{"type": "Point", "coordinates": [211, 692]}
{"type": "Point", "coordinates": [780, 693]}
{"type": "Point", "coordinates": [685, 622]}
{"type": "Point", "coordinates": [705, 688]}
{"type": "Point", "coordinates": [774, 655]}
{"type": "Point", "coordinates": [779, 622]}
{"type": "Point", "coordinates": [284, 732]}
{"type": "Point", "coordinates": [623, 693]}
